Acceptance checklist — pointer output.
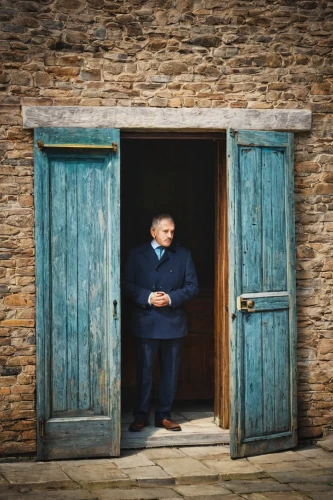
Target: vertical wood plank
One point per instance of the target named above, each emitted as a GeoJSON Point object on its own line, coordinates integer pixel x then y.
{"type": "Point", "coordinates": [282, 371]}
{"type": "Point", "coordinates": [73, 334]}
{"type": "Point", "coordinates": [83, 289]}
{"type": "Point", "coordinates": [269, 372]}
{"type": "Point", "coordinates": [58, 272]}
{"type": "Point", "coordinates": [274, 231]}
{"type": "Point", "coordinates": [253, 375]}
{"type": "Point", "coordinates": [251, 216]}
{"type": "Point", "coordinates": [98, 291]}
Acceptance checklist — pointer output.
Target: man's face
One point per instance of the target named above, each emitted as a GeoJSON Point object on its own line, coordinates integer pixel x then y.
{"type": "Point", "coordinates": [164, 232]}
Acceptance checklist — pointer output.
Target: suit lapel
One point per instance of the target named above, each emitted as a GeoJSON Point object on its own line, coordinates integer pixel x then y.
{"type": "Point", "coordinates": [151, 256]}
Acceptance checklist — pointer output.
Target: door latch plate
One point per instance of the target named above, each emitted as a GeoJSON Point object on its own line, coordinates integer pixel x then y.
{"type": "Point", "coordinates": [245, 304]}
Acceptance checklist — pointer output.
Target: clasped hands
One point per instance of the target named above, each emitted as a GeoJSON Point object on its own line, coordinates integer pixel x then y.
{"type": "Point", "coordinates": [159, 299]}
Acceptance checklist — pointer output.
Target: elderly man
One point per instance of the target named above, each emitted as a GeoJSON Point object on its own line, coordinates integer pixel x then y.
{"type": "Point", "coordinates": [159, 278]}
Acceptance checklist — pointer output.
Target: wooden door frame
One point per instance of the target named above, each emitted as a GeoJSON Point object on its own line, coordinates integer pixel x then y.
{"type": "Point", "coordinates": [221, 328]}
{"type": "Point", "coordinates": [221, 321]}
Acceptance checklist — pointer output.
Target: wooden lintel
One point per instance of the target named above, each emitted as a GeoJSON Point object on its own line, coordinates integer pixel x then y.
{"type": "Point", "coordinates": [165, 119]}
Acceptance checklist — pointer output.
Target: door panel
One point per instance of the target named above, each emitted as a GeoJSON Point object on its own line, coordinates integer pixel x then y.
{"type": "Point", "coordinates": [262, 317]}
{"type": "Point", "coordinates": [77, 260]}
{"type": "Point", "coordinates": [196, 374]}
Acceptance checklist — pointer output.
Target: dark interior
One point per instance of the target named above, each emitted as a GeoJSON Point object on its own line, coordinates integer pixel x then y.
{"type": "Point", "coordinates": [175, 176]}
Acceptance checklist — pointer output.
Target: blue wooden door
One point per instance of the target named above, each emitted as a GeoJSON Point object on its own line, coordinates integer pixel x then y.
{"type": "Point", "coordinates": [78, 299]}
{"type": "Point", "coordinates": [262, 315]}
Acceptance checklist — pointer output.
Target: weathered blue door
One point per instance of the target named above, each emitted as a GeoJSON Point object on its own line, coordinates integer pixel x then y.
{"type": "Point", "coordinates": [78, 299]}
{"type": "Point", "coordinates": [261, 292]}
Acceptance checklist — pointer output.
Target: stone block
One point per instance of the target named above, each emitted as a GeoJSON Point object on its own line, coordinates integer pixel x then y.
{"type": "Point", "coordinates": [173, 68]}
{"type": "Point", "coordinates": [62, 71]}
{"type": "Point", "coordinates": [141, 493]}
{"type": "Point", "coordinates": [152, 472]}
{"type": "Point", "coordinates": [186, 469]}
{"type": "Point", "coordinates": [206, 41]}
{"type": "Point", "coordinates": [23, 389]}
{"type": "Point", "coordinates": [20, 300]}
{"type": "Point", "coordinates": [90, 75]}
{"type": "Point", "coordinates": [175, 103]}
{"type": "Point", "coordinates": [158, 102]}
{"type": "Point", "coordinates": [205, 491]}
{"type": "Point", "coordinates": [18, 322]}
{"type": "Point", "coordinates": [107, 472]}
{"type": "Point", "coordinates": [31, 473]}
{"type": "Point", "coordinates": [324, 88]}
{"type": "Point", "coordinates": [324, 188]}
{"type": "Point", "coordinates": [259, 486]}
{"type": "Point", "coordinates": [235, 469]}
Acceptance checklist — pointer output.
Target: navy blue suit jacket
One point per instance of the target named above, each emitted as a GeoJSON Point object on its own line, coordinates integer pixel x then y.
{"type": "Point", "coordinates": [175, 275]}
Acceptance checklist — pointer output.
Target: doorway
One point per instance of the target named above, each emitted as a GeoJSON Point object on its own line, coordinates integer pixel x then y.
{"type": "Point", "coordinates": [177, 174]}
{"type": "Point", "coordinates": [77, 206]}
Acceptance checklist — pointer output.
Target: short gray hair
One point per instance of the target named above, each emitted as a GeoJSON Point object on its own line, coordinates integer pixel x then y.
{"type": "Point", "coordinates": [158, 218]}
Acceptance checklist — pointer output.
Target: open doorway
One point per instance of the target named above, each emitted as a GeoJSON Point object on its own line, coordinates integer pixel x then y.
{"type": "Point", "coordinates": [177, 174]}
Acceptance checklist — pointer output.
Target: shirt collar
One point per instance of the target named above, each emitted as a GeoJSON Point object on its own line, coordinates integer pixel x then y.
{"type": "Point", "coordinates": [154, 244]}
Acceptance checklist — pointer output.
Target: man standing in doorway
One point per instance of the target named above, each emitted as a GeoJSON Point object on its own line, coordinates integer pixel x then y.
{"type": "Point", "coordinates": [159, 278]}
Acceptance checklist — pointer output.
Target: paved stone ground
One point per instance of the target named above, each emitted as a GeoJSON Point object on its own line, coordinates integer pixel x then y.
{"type": "Point", "coordinates": [187, 473]}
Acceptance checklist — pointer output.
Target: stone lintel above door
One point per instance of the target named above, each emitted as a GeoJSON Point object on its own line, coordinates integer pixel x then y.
{"type": "Point", "coordinates": [164, 119]}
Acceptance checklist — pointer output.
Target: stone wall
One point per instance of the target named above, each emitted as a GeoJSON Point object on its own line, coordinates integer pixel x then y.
{"type": "Point", "coordinates": [261, 54]}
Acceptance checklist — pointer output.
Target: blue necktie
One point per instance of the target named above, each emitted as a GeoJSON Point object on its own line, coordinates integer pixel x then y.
{"type": "Point", "coordinates": [159, 252]}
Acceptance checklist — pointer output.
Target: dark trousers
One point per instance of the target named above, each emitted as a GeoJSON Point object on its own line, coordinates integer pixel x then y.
{"type": "Point", "coordinates": [169, 351]}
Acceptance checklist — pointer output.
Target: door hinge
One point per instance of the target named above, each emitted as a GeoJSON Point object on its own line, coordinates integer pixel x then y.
{"type": "Point", "coordinates": [41, 428]}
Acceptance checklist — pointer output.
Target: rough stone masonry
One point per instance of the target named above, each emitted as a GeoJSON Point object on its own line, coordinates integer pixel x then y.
{"type": "Point", "coordinates": [259, 54]}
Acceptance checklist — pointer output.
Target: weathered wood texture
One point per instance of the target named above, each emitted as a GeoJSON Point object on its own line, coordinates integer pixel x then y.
{"type": "Point", "coordinates": [77, 272]}
{"type": "Point", "coordinates": [155, 438]}
{"type": "Point", "coordinates": [166, 119]}
{"type": "Point", "coordinates": [262, 265]}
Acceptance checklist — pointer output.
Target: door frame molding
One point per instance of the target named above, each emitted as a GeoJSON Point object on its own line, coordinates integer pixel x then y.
{"type": "Point", "coordinates": [221, 274]}
{"type": "Point", "coordinates": [221, 290]}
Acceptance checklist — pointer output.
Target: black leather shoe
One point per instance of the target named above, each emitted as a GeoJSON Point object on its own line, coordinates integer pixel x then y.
{"type": "Point", "coordinates": [137, 425]}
